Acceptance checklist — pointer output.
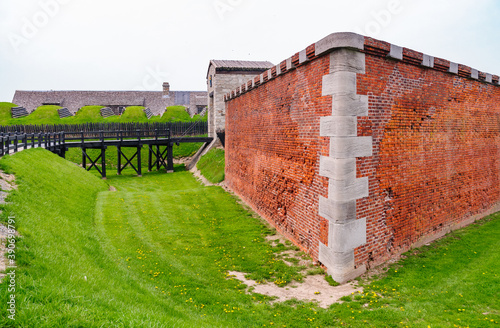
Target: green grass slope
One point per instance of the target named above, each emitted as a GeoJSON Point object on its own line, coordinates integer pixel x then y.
{"type": "Point", "coordinates": [91, 114]}
{"type": "Point", "coordinates": [5, 114]}
{"type": "Point", "coordinates": [156, 253]}
{"type": "Point", "coordinates": [88, 114]}
{"type": "Point", "coordinates": [212, 165]}
{"type": "Point", "coordinates": [134, 114]}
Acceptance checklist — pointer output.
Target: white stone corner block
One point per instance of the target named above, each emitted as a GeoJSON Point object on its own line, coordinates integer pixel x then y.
{"type": "Point", "coordinates": [347, 236]}
{"type": "Point", "coordinates": [453, 68]}
{"type": "Point", "coordinates": [428, 61]}
{"type": "Point", "coordinates": [340, 265]}
{"type": "Point", "coordinates": [289, 64]}
{"type": "Point", "coordinates": [303, 56]}
{"type": "Point", "coordinates": [350, 105]}
{"type": "Point", "coordinates": [337, 168]}
{"type": "Point", "coordinates": [347, 60]}
{"type": "Point", "coordinates": [339, 83]}
{"type": "Point", "coordinates": [350, 147]}
{"type": "Point", "coordinates": [489, 78]}
{"type": "Point", "coordinates": [396, 52]}
{"type": "Point", "coordinates": [278, 69]}
{"type": "Point", "coordinates": [334, 126]}
{"type": "Point", "coordinates": [340, 40]}
{"type": "Point", "coordinates": [335, 260]}
{"type": "Point", "coordinates": [337, 212]}
{"type": "Point", "coordinates": [261, 78]}
{"type": "Point", "coordinates": [346, 190]}
{"type": "Point", "coordinates": [474, 74]}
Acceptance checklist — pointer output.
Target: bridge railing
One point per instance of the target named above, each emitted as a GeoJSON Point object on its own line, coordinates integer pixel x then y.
{"type": "Point", "coordinates": [59, 141]}
{"type": "Point", "coordinates": [175, 128]}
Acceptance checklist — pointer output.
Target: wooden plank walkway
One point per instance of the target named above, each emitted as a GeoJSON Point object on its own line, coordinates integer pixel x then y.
{"type": "Point", "coordinates": [60, 142]}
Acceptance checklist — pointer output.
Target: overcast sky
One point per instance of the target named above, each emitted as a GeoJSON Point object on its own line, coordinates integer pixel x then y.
{"type": "Point", "coordinates": [136, 45]}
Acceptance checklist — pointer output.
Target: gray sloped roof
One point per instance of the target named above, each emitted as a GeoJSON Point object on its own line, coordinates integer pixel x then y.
{"type": "Point", "coordinates": [240, 65]}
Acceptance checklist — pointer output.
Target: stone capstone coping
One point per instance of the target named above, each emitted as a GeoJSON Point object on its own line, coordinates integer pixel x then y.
{"type": "Point", "coordinates": [366, 45]}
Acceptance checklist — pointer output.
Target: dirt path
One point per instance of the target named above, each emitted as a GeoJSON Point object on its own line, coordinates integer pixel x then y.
{"type": "Point", "coordinates": [314, 289]}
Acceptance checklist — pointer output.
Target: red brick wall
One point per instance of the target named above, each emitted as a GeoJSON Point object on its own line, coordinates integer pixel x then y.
{"type": "Point", "coordinates": [273, 149]}
{"type": "Point", "coordinates": [436, 153]}
{"type": "Point", "coordinates": [436, 149]}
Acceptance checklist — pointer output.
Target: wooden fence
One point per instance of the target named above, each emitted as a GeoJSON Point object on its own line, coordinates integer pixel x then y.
{"type": "Point", "coordinates": [176, 128]}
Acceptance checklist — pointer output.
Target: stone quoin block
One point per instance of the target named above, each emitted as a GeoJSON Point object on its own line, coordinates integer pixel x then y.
{"type": "Point", "coordinates": [350, 147]}
{"type": "Point", "coordinates": [346, 236]}
{"type": "Point", "coordinates": [337, 211]}
{"type": "Point", "coordinates": [428, 61]}
{"type": "Point", "coordinates": [289, 64]}
{"type": "Point", "coordinates": [337, 126]}
{"type": "Point", "coordinates": [339, 83]}
{"type": "Point", "coordinates": [340, 40]}
{"type": "Point", "coordinates": [341, 266]}
{"type": "Point", "coordinates": [489, 78]}
{"type": "Point", "coordinates": [349, 105]}
{"type": "Point", "coordinates": [278, 70]}
{"type": "Point", "coordinates": [474, 74]}
{"type": "Point", "coordinates": [338, 168]}
{"type": "Point", "coordinates": [396, 52]}
{"type": "Point", "coordinates": [347, 60]}
{"type": "Point", "coordinates": [346, 190]}
{"type": "Point", "coordinates": [269, 74]}
{"type": "Point", "coordinates": [453, 68]}
{"type": "Point", "coordinates": [303, 56]}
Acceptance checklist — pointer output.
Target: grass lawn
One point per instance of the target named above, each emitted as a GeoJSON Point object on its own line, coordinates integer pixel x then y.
{"type": "Point", "coordinates": [155, 253]}
{"type": "Point", "coordinates": [91, 114]}
{"type": "Point", "coordinates": [211, 165]}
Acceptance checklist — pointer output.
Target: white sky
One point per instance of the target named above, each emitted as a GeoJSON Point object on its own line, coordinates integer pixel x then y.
{"type": "Point", "coordinates": [136, 45]}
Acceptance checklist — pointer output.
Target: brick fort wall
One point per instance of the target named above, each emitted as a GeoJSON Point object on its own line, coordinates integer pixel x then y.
{"type": "Point", "coordinates": [358, 150]}
{"type": "Point", "coordinates": [273, 149]}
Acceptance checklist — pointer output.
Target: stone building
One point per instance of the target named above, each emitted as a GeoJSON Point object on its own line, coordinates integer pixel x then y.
{"type": "Point", "coordinates": [157, 101]}
{"type": "Point", "coordinates": [222, 77]}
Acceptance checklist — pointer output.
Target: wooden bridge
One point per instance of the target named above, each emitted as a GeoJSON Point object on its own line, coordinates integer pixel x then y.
{"type": "Point", "coordinates": [60, 142]}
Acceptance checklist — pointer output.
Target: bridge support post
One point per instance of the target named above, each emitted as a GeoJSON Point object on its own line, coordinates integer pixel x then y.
{"type": "Point", "coordinates": [103, 163]}
{"type": "Point", "coordinates": [84, 158]}
{"type": "Point", "coordinates": [170, 157]}
{"type": "Point", "coordinates": [139, 166]}
{"type": "Point", "coordinates": [150, 159]}
{"type": "Point", "coordinates": [119, 160]}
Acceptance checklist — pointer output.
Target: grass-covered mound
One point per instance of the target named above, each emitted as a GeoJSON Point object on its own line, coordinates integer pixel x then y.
{"type": "Point", "coordinates": [88, 114]}
{"type": "Point", "coordinates": [5, 114]}
{"type": "Point", "coordinates": [212, 164]}
{"type": "Point", "coordinates": [175, 114]}
{"type": "Point", "coordinates": [91, 114]}
{"type": "Point", "coordinates": [134, 114]}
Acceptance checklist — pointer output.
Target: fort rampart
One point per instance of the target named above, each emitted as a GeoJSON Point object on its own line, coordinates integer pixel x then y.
{"type": "Point", "coordinates": [357, 149]}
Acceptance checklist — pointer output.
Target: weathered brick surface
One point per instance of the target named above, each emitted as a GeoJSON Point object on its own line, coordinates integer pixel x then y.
{"type": "Point", "coordinates": [273, 149]}
{"type": "Point", "coordinates": [436, 153]}
{"type": "Point", "coordinates": [436, 148]}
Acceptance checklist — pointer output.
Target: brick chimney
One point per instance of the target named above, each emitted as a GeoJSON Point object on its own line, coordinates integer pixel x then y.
{"type": "Point", "coordinates": [166, 90]}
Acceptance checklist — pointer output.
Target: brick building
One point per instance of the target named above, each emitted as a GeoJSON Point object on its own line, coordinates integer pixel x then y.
{"type": "Point", "coordinates": [156, 101]}
{"type": "Point", "coordinates": [357, 149]}
{"type": "Point", "coordinates": [222, 77]}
